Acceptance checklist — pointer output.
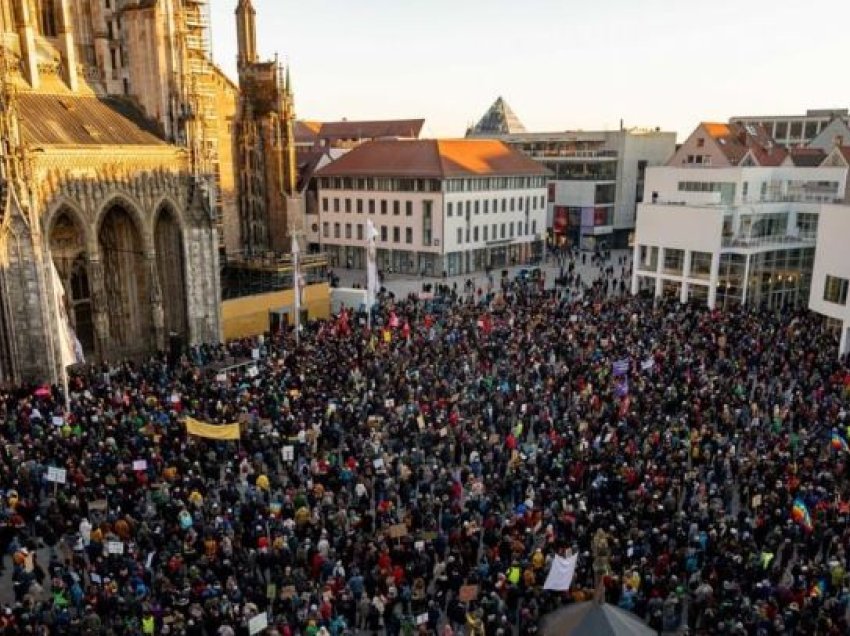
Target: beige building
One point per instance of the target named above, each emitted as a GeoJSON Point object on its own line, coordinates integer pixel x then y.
{"type": "Point", "coordinates": [115, 169]}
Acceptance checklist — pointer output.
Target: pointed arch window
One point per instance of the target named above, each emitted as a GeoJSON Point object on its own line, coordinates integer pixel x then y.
{"type": "Point", "coordinates": [49, 15]}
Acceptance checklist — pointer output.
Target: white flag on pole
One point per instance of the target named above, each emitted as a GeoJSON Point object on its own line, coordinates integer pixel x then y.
{"type": "Point", "coordinates": [561, 574]}
{"type": "Point", "coordinates": [297, 282]}
{"type": "Point", "coordinates": [70, 350]}
{"type": "Point", "coordinates": [371, 265]}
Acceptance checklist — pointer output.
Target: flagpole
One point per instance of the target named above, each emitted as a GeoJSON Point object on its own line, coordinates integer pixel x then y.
{"type": "Point", "coordinates": [65, 391]}
{"type": "Point", "coordinates": [296, 278]}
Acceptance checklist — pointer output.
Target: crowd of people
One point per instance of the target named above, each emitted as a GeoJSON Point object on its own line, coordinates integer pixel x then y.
{"type": "Point", "coordinates": [420, 477]}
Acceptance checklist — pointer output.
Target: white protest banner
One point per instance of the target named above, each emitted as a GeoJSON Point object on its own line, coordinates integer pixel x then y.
{"type": "Point", "coordinates": [422, 619]}
{"type": "Point", "coordinates": [258, 623]}
{"type": "Point", "coordinates": [56, 475]}
{"type": "Point", "coordinates": [561, 574]}
{"type": "Point", "coordinates": [57, 420]}
{"type": "Point", "coordinates": [253, 372]}
{"type": "Point", "coordinates": [140, 464]}
{"type": "Point", "coordinates": [95, 578]}
{"type": "Point", "coordinates": [378, 463]}
{"type": "Point", "coordinates": [255, 354]}
{"type": "Point", "coordinates": [221, 377]}
{"type": "Point", "coordinates": [115, 547]}
{"type": "Point", "coordinates": [287, 453]}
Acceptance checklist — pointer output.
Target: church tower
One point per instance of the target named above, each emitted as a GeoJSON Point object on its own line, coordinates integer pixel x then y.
{"type": "Point", "coordinates": [269, 201]}
{"type": "Point", "coordinates": [246, 33]}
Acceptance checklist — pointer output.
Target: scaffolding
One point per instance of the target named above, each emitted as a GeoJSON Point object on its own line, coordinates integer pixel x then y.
{"type": "Point", "coordinates": [250, 276]}
{"type": "Point", "coordinates": [200, 88]}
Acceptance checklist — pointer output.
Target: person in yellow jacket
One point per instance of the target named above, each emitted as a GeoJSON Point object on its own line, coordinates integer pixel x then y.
{"type": "Point", "coordinates": [148, 624]}
{"type": "Point", "coordinates": [514, 573]}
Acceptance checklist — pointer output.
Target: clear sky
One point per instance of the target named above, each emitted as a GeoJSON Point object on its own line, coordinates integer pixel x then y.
{"type": "Point", "coordinates": [560, 64]}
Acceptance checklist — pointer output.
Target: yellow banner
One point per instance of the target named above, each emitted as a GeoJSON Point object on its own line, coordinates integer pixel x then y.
{"type": "Point", "coordinates": [211, 431]}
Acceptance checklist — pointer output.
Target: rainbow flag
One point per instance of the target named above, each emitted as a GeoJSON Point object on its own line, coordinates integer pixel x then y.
{"type": "Point", "coordinates": [839, 443]}
{"type": "Point", "coordinates": [800, 515]}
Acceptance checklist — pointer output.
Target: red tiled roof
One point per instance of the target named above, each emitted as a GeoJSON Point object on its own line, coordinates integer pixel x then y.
{"type": "Point", "coordinates": [435, 159]}
{"type": "Point", "coordinates": [736, 140]}
{"type": "Point", "coordinates": [408, 128]}
{"type": "Point", "coordinates": [806, 157]}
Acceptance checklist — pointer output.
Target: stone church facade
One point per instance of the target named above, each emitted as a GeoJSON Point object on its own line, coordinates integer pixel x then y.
{"type": "Point", "coordinates": [111, 170]}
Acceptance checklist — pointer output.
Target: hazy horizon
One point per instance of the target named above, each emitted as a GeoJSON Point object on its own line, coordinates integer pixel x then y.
{"type": "Point", "coordinates": [655, 63]}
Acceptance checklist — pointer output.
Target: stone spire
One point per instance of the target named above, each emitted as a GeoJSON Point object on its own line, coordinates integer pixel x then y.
{"type": "Point", "coordinates": [246, 33]}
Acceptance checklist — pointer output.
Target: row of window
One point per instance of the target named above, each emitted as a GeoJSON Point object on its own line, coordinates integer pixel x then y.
{"type": "Point", "coordinates": [393, 184]}
{"type": "Point", "coordinates": [498, 231]}
{"type": "Point", "coordinates": [384, 230]}
{"type": "Point", "coordinates": [507, 205]}
{"type": "Point", "coordinates": [361, 205]}
{"type": "Point", "coordinates": [494, 183]}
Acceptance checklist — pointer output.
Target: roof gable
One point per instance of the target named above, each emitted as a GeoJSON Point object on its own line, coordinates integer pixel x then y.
{"type": "Point", "coordinates": [835, 133]}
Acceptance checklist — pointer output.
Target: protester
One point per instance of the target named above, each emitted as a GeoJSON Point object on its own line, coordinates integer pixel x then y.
{"type": "Point", "coordinates": [419, 478]}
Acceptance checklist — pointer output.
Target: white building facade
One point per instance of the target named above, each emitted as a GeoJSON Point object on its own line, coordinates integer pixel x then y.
{"type": "Point", "coordinates": [733, 235]}
{"type": "Point", "coordinates": [597, 180]}
{"type": "Point", "coordinates": [831, 275]}
{"type": "Point", "coordinates": [453, 206]}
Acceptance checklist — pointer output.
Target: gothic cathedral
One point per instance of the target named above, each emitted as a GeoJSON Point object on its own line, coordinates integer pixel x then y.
{"type": "Point", "coordinates": [117, 169]}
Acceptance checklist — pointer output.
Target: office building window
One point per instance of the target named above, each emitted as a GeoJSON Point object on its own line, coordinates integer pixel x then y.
{"type": "Point", "coordinates": [384, 233]}
{"type": "Point", "coordinates": [336, 205]}
{"type": "Point", "coordinates": [486, 206]}
{"type": "Point", "coordinates": [504, 205]}
{"type": "Point", "coordinates": [326, 232]}
{"type": "Point", "coordinates": [336, 230]}
{"type": "Point", "coordinates": [359, 206]}
{"type": "Point", "coordinates": [485, 233]}
{"type": "Point", "coordinates": [383, 207]}
{"type": "Point", "coordinates": [408, 208]}
{"type": "Point", "coordinates": [700, 265]}
{"type": "Point", "coordinates": [477, 203]}
{"type": "Point", "coordinates": [475, 234]}
{"type": "Point", "coordinates": [449, 207]}
{"type": "Point", "coordinates": [359, 231]}
{"type": "Point", "coordinates": [495, 231]}
{"type": "Point", "coordinates": [348, 230]}
{"type": "Point", "coordinates": [396, 208]}
{"type": "Point", "coordinates": [511, 228]}
{"type": "Point", "coordinates": [348, 206]}
{"type": "Point", "coordinates": [534, 227]}
{"type": "Point", "coordinates": [396, 235]}
{"type": "Point", "coordinates": [324, 204]}
{"type": "Point", "coordinates": [512, 204]}
{"type": "Point", "coordinates": [835, 290]}
{"type": "Point", "coordinates": [460, 236]}
{"type": "Point", "coordinates": [371, 206]}
{"type": "Point", "coordinates": [408, 235]}
{"type": "Point", "coordinates": [504, 229]}
{"type": "Point", "coordinates": [674, 260]}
